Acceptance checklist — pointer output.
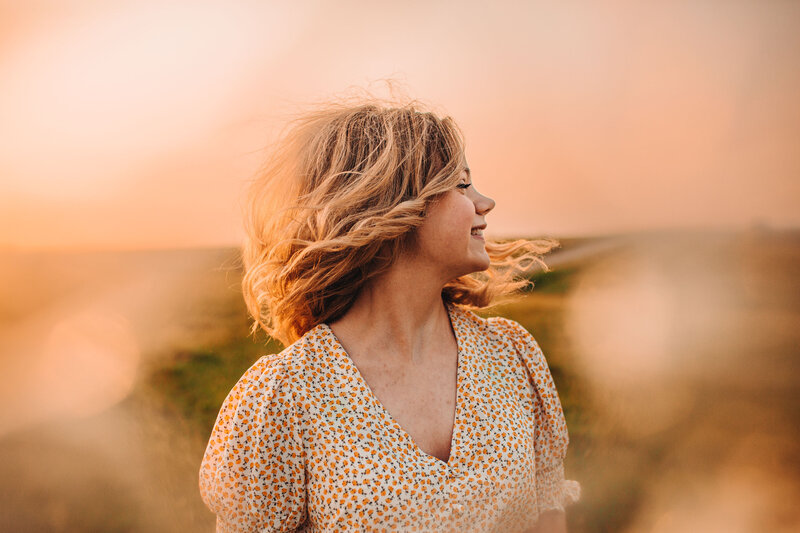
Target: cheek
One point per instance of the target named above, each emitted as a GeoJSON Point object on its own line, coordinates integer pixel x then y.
{"type": "Point", "coordinates": [448, 224]}
{"type": "Point", "coordinates": [456, 228]}
{"type": "Point", "coordinates": [464, 217]}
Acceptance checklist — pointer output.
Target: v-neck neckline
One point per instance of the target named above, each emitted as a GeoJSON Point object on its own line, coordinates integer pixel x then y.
{"type": "Point", "coordinates": [452, 314]}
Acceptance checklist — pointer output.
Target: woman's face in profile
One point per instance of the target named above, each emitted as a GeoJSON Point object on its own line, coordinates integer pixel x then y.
{"type": "Point", "coordinates": [447, 237]}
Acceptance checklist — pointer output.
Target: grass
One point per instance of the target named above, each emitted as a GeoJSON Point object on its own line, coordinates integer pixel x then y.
{"type": "Point", "coordinates": [197, 381]}
{"type": "Point", "coordinates": [553, 282]}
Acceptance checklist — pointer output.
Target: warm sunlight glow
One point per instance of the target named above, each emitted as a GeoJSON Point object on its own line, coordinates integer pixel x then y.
{"type": "Point", "coordinates": [89, 363]}
{"type": "Point", "coordinates": [579, 119]}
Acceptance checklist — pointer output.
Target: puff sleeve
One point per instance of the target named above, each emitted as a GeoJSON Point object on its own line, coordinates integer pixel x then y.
{"type": "Point", "coordinates": [551, 437]}
{"type": "Point", "coordinates": [253, 472]}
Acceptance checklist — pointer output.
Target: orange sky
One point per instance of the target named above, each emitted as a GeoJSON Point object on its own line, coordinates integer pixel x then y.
{"type": "Point", "coordinates": [135, 124]}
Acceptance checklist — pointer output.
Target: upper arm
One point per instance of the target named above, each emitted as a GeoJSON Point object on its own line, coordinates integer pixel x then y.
{"type": "Point", "coordinates": [551, 437]}
{"type": "Point", "coordinates": [252, 474]}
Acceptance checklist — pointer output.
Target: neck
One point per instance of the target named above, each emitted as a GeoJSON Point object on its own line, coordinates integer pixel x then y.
{"type": "Point", "coordinates": [398, 317]}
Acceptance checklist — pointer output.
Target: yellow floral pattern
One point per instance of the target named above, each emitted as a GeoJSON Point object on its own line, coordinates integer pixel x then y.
{"type": "Point", "coordinates": [301, 443]}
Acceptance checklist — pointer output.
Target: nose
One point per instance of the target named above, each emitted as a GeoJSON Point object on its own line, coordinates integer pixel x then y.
{"type": "Point", "coordinates": [483, 204]}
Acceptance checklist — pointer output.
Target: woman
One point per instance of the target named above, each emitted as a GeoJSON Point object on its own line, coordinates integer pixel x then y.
{"type": "Point", "coordinates": [393, 406]}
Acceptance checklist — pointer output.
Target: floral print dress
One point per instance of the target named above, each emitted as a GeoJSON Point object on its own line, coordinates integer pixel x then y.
{"type": "Point", "coordinates": [302, 444]}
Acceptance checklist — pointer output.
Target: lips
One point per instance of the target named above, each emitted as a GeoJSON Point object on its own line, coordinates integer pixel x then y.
{"type": "Point", "coordinates": [478, 230]}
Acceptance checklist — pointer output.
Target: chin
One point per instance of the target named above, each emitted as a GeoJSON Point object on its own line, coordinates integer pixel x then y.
{"type": "Point", "coordinates": [481, 265]}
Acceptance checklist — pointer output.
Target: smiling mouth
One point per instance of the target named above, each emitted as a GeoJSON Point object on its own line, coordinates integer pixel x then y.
{"type": "Point", "coordinates": [477, 231]}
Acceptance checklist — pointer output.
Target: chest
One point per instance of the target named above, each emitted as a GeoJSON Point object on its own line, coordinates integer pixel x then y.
{"type": "Point", "coordinates": [421, 400]}
{"type": "Point", "coordinates": [419, 452]}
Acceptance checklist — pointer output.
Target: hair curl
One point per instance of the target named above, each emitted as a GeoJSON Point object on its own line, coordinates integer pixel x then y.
{"type": "Point", "coordinates": [339, 199]}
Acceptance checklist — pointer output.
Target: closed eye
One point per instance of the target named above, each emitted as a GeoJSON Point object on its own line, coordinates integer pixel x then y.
{"type": "Point", "coordinates": [463, 185]}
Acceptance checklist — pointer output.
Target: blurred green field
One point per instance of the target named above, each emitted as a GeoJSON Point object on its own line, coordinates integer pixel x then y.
{"type": "Point", "coordinates": [676, 358]}
{"type": "Point", "coordinates": [194, 382]}
{"type": "Point", "coordinates": [621, 450]}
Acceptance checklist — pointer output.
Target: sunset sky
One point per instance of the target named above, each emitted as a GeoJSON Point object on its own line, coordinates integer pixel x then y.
{"type": "Point", "coordinates": [134, 124]}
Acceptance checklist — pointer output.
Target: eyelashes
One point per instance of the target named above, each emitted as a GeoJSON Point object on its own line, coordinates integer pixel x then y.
{"type": "Point", "coordinates": [463, 185]}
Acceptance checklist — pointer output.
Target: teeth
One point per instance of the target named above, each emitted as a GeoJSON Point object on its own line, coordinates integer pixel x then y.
{"type": "Point", "coordinates": [477, 232]}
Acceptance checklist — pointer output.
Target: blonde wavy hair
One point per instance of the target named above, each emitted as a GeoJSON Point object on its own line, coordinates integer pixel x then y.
{"type": "Point", "coordinates": [340, 197]}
